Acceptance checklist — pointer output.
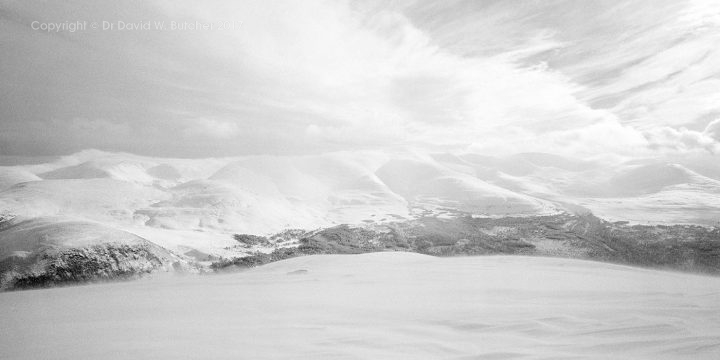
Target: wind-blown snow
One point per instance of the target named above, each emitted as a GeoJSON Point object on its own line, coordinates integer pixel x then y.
{"type": "Point", "coordinates": [376, 306]}
{"type": "Point", "coordinates": [10, 176]}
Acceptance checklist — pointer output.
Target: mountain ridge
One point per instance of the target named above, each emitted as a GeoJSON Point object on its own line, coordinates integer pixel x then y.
{"type": "Point", "coordinates": [192, 207]}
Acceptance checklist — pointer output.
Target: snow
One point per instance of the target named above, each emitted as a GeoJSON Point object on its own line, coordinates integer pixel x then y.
{"type": "Point", "coordinates": [39, 233]}
{"type": "Point", "coordinates": [431, 183]}
{"type": "Point", "coordinates": [99, 199]}
{"type": "Point", "coordinates": [197, 204]}
{"type": "Point", "coordinates": [38, 236]}
{"type": "Point", "coordinates": [665, 190]}
{"type": "Point", "coordinates": [376, 306]}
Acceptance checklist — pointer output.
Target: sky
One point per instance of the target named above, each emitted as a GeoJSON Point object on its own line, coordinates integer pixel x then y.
{"type": "Point", "coordinates": [579, 78]}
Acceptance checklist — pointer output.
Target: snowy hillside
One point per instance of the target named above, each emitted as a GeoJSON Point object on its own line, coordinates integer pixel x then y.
{"type": "Point", "coordinates": [54, 250]}
{"type": "Point", "coordinates": [376, 306]}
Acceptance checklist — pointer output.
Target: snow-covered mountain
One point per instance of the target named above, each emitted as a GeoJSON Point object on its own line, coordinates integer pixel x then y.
{"type": "Point", "coordinates": [191, 207]}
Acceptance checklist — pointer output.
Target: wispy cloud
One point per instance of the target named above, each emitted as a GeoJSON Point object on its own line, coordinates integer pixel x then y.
{"type": "Point", "coordinates": [312, 76]}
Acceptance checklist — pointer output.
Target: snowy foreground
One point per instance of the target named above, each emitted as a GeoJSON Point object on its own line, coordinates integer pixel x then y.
{"type": "Point", "coordinates": [376, 306]}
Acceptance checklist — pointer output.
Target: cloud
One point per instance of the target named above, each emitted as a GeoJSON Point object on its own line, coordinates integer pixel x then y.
{"type": "Point", "coordinates": [712, 130]}
{"type": "Point", "coordinates": [603, 138]}
{"type": "Point", "coordinates": [315, 76]}
{"type": "Point", "coordinates": [212, 128]}
{"type": "Point", "coordinates": [364, 76]}
{"type": "Point", "coordinates": [56, 136]}
{"type": "Point", "coordinates": [681, 140]}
